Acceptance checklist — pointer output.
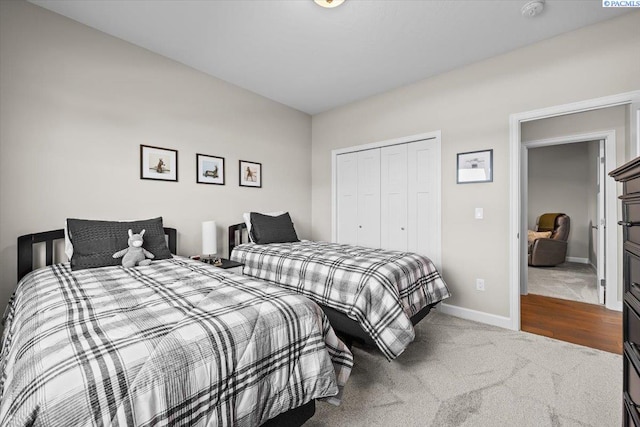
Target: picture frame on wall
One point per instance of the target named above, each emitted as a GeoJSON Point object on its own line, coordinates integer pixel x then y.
{"type": "Point", "coordinates": [157, 163]}
{"type": "Point", "coordinates": [209, 169]}
{"type": "Point", "coordinates": [250, 174]}
{"type": "Point", "coordinates": [475, 166]}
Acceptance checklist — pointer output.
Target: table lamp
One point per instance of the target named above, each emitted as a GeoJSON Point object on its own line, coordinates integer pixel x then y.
{"type": "Point", "coordinates": [210, 243]}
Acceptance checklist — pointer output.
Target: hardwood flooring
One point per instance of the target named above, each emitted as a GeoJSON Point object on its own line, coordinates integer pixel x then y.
{"type": "Point", "coordinates": [576, 322]}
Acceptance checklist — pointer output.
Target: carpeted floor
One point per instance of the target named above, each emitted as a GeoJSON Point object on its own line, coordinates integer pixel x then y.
{"type": "Point", "coordinates": [462, 373]}
{"type": "Point", "coordinates": [569, 280]}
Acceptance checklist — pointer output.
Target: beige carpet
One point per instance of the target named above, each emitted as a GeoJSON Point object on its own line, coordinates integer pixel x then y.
{"type": "Point", "coordinates": [570, 280]}
{"type": "Point", "coordinates": [462, 373]}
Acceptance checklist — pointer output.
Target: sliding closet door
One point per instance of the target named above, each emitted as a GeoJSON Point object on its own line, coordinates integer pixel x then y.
{"type": "Point", "coordinates": [393, 197]}
{"type": "Point", "coordinates": [423, 198]}
{"type": "Point", "coordinates": [347, 208]}
{"type": "Point", "coordinates": [369, 198]}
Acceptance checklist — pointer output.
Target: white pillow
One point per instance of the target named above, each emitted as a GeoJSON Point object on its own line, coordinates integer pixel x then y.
{"type": "Point", "coordinates": [68, 246]}
{"type": "Point", "coordinates": [247, 219]}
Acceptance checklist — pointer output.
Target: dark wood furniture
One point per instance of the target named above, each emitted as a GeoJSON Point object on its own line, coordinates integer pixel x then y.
{"type": "Point", "coordinates": [225, 264]}
{"type": "Point", "coordinates": [346, 328]}
{"type": "Point", "coordinates": [292, 418]}
{"type": "Point", "coordinates": [629, 175]}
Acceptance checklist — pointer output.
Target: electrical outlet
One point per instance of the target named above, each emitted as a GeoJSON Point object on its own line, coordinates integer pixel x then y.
{"type": "Point", "coordinates": [480, 284]}
{"type": "Point", "coordinates": [479, 214]}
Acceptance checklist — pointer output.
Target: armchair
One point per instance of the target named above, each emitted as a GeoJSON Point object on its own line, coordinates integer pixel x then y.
{"type": "Point", "coordinates": [548, 252]}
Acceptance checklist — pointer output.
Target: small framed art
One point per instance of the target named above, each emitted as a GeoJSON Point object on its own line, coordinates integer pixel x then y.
{"type": "Point", "coordinates": [158, 163]}
{"type": "Point", "coordinates": [209, 169]}
{"type": "Point", "coordinates": [475, 166]}
{"type": "Point", "coordinates": [250, 174]}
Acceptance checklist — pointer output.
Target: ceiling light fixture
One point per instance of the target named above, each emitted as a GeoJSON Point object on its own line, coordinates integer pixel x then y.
{"type": "Point", "coordinates": [533, 8]}
{"type": "Point", "coordinates": [329, 3]}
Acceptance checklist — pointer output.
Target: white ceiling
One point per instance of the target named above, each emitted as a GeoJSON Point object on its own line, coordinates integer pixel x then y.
{"type": "Point", "coordinates": [314, 59]}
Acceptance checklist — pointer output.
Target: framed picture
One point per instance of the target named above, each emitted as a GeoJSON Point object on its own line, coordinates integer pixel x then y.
{"type": "Point", "coordinates": [475, 166]}
{"type": "Point", "coordinates": [250, 174]}
{"type": "Point", "coordinates": [209, 169]}
{"type": "Point", "coordinates": [158, 163]}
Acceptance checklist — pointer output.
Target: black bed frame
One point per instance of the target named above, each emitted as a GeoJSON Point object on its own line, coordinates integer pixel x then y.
{"type": "Point", "coordinates": [26, 242]}
{"type": "Point", "coordinates": [292, 418]}
{"type": "Point", "coordinates": [346, 328]}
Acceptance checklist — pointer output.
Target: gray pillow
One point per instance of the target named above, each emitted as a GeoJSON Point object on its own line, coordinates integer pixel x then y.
{"type": "Point", "coordinates": [272, 229]}
{"type": "Point", "coordinates": [95, 242]}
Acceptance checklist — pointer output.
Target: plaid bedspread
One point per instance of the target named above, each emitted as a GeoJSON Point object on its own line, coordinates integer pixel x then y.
{"type": "Point", "coordinates": [175, 343]}
{"type": "Point", "coordinates": [380, 289]}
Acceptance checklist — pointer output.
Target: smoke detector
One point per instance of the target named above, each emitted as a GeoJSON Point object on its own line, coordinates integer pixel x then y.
{"type": "Point", "coordinates": [533, 8]}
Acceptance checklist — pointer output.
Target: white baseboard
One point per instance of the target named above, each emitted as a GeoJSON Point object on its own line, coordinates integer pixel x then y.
{"type": "Point", "coordinates": [615, 305]}
{"type": "Point", "coordinates": [578, 260]}
{"type": "Point", "coordinates": [476, 316]}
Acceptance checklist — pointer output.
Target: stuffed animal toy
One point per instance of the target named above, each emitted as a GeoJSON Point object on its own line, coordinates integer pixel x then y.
{"type": "Point", "coordinates": [135, 254]}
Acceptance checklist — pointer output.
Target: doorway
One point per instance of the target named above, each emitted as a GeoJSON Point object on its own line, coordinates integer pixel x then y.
{"type": "Point", "coordinates": [567, 174]}
{"type": "Point", "coordinates": [518, 246]}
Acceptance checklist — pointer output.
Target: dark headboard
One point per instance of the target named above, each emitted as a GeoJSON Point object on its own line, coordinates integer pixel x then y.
{"type": "Point", "coordinates": [236, 233]}
{"type": "Point", "coordinates": [26, 242]}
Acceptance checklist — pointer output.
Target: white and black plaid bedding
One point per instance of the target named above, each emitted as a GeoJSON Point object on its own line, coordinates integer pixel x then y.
{"type": "Point", "coordinates": [380, 289]}
{"type": "Point", "coordinates": [175, 343]}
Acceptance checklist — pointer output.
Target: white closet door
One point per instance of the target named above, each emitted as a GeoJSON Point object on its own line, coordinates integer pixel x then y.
{"type": "Point", "coordinates": [347, 209]}
{"type": "Point", "coordinates": [369, 198]}
{"type": "Point", "coordinates": [393, 197]}
{"type": "Point", "coordinates": [423, 199]}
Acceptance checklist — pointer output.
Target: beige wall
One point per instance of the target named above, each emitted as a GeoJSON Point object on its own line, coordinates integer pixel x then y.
{"type": "Point", "coordinates": [471, 106]}
{"type": "Point", "coordinates": [559, 182]}
{"type": "Point", "coordinates": [612, 118]}
{"type": "Point", "coordinates": [75, 106]}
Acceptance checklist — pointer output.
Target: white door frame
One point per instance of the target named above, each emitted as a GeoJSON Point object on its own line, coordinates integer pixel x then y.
{"type": "Point", "coordinates": [601, 218]}
{"type": "Point", "coordinates": [435, 135]}
{"type": "Point", "coordinates": [515, 148]}
{"type": "Point", "coordinates": [611, 204]}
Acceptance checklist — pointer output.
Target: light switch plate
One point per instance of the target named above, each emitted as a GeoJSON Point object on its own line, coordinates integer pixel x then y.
{"type": "Point", "coordinates": [479, 213]}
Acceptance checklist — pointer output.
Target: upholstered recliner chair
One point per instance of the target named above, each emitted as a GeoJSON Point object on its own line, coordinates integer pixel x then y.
{"type": "Point", "coordinates": [552, 250]}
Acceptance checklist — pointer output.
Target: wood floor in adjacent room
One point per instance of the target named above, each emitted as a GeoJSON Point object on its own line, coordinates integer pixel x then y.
{"type": "Point", "coordinates": [576, 322]}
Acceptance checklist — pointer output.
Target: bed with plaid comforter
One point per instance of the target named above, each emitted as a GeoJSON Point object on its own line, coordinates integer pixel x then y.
{"type": "Point", "coordinates": [380, 289]}
{"type": "Point", "coordinates": [176, 343]}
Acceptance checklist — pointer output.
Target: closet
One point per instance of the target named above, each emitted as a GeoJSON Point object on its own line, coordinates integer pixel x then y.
{"type": "Point", "coordinates": [388, 197]}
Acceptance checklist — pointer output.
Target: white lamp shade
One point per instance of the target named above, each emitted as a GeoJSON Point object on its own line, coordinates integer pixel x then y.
{"type": "Point", "coordinates": [209, 238]}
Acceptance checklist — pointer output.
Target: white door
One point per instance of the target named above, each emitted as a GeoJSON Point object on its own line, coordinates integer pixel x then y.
{"type": "Point", "coordinates": [634, 127]}
{"type": "Point", "coordinates": [423, 196]}
{"type": "Point", "coordinates": [601, 225]}
{"type": "Point", "coordinates": [347, 207]}
{"type": "Point", "coordinates": [393, 197]}
{"type": "Point", "coordinates": [369, 198]}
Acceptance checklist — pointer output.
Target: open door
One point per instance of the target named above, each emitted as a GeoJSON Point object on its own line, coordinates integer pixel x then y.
{"type": "Point", "coordinates": [601, 225]}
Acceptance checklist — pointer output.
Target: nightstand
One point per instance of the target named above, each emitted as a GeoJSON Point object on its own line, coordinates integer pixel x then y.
{"type": "Point", "coordinates": [234, 267]}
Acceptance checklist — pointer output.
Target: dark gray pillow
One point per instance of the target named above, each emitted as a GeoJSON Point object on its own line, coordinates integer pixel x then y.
{"type": "Point", "coordinates": [95, 242]}
{"type": "Point", "coordinates": [272, 229]}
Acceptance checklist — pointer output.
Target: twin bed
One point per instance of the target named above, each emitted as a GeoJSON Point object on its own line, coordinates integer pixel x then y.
{"type": "Point", "coordinates": [178, 342]}
{"type": "Point", "coordinates": [374, 296]}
